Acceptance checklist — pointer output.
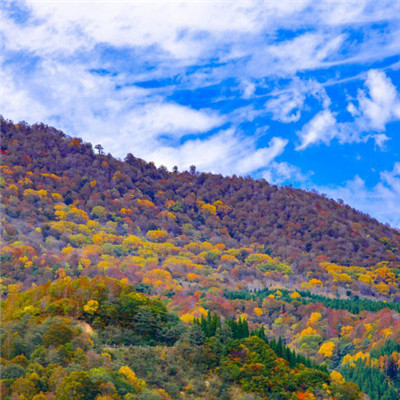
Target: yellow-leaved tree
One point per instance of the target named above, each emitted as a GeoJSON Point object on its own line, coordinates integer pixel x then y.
{"type": "Point", "coordinates": [258, 311]}
{"type": "Point", "coordinates": [326, 349]}
{"type": "Point", "coordinates": [295, 295]}
{"type": "Point", "coordinates": [346, 330]}
{"type": "Point", "coordinates": [337, 377]}
{"type": "Point", "coordinates": [314, 318]}
{"type": "Point", "coordinates": [157, 235]}
{"type": "Point", "coordinates": [91, 307]}
{"type": "Point", "coordinates": [138, 384]}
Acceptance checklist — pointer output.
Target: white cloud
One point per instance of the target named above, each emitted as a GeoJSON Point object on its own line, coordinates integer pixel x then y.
{"type": "Point", "coordinates": [358, 12]}
{"type": "Point", "coordinates": [308, 51]}
{"type": "Point", "coordinates": [286, 105]}
{"type": "Point", "coordinates": [380, 201]}
{"type": "Point", "coordinates": [155, 119]}
{"type": "Point", "coordinates": [279, 173]}
{"type": "Point", "coordinates": [351, 108]}
{"type": "Point", "coordinates": [151, 126]}
{"type": "Point", "coordinates": [383, 103]}
{"type": "Point", "coordinates": [376, 108]}
{"type": "Point", "coordinates": [262, 156]}
{"type": "Point", "coordinates": [227, 152]}
{"type": "Point", "coordinates": [16, 103]}
{"type": "Point", "coordinates": [65, 26]}
{"type": "Point", "coordinates": [190, 31]}
{"type": "Point", "coordinates": [321, 129]}
{"type": "Point", "coordinates": [248, 89]}
{"type": "Point", "coordinates": [130, 119]}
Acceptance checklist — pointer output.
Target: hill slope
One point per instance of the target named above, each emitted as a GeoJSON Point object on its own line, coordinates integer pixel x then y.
{"type": "Point", "coordinates": [279, 262]}
{"type": "Point", "coordinates": [290, 223]}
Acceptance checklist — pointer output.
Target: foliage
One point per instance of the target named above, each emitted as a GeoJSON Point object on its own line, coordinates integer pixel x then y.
{"type": "Point", "coordinates": [100, 255]}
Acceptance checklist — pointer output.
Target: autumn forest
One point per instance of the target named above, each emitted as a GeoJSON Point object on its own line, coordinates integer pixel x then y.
{"type": "Point", "coordinates": [124, 281]}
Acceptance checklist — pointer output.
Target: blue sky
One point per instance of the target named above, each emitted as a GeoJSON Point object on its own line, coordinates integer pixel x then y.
{"type": "Point", "coordinates": [297, 92]}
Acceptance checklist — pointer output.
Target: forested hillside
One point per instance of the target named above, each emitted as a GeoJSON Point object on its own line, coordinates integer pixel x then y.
{"type": "Point", "coordinates": [146, 284]}
{"type": "Point", "coordinates": [60, 339]}
{"type": "Point", "coordinates": [290, 223]}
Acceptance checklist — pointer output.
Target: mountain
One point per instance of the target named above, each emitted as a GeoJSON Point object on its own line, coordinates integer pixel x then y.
{"type": "Point", "coordinates": [299, 283]}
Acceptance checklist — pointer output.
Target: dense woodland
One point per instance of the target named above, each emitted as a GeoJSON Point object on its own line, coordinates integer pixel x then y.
{"type": "Point", "coordinates": [125, 281]}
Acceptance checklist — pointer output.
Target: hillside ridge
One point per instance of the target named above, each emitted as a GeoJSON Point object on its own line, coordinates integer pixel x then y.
{"type": "Point", "coordinates": [293, 224]}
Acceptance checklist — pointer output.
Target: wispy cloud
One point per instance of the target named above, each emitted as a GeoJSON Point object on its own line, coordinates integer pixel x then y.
{"type": "Point", "coordinates": [287, 104]}
{"type": "Point", "coordinates": [280, 173]}
{"type": "Point", "coordinates": [226, 152]}
{"type": "Point", "coordinates": [378, 105]}
{"type": "Point", "coordinates": [322, 128]}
